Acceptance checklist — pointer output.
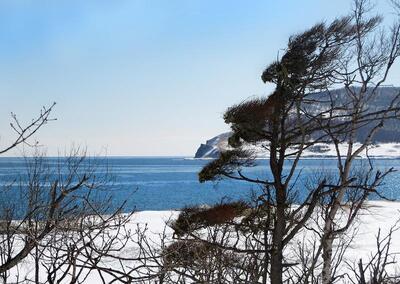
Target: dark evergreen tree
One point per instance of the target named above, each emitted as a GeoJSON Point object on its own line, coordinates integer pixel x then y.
{"type": "Point", "coordinates": [278, 123]}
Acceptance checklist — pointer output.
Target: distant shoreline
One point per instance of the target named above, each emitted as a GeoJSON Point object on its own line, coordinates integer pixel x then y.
{"type": "Point", "coordinates": [315, 158]}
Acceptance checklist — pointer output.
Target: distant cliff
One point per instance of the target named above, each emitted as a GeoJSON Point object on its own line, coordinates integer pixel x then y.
{"type": "Point", "coordinates": [213, 147]}
{"type": "Point", "coordinates": [386, 141]}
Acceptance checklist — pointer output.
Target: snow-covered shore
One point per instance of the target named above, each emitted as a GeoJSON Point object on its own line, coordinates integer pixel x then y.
{"type": "Point", "coordinates": [378, 215]}
{"type": "Point", "coordinates": [217, 144]}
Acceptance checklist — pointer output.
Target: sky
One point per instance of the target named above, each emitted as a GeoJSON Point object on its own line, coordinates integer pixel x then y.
{"type": "Point", "coordinates": [142, 78]}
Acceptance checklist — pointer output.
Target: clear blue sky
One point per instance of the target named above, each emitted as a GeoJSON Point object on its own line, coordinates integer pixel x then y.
{"type": "Point", "coordinates": [141, 77]}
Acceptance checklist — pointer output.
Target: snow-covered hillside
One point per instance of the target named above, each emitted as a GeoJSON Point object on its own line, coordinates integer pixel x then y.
{"type": "Point", "coordinates": [214, 146]}
{"type": "Point", "coordinates": [386, 142]}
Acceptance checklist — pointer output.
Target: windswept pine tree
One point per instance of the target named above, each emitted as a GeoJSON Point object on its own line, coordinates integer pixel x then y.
{"type": "Point", "coordinates": [278, 124]}
{"type": "Point", "coordinates": [302, 112]}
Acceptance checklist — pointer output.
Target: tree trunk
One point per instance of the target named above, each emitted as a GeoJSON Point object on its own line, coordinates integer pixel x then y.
{"type": "Point", "coordinates": [327, 260]}
{"type": "Point", "coordinates": [277, 242]}
{"type": "Point", "coordinates": [37, 265]}
{"type": "Point", "coordinates": [266, 257]}
{"type": "Point", "coordinates": [276, 264]}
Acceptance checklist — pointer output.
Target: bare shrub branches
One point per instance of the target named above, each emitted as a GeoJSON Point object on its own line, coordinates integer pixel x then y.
{"type": "Point", "coordinates": [24, 132]}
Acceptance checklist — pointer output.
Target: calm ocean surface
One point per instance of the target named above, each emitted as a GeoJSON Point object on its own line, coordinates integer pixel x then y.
{"type": "Point", "coordinates": [171, 183]}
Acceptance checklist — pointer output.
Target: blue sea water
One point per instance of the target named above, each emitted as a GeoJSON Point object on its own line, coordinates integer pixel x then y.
{"type": "Point", "coordinates": [154, 183]}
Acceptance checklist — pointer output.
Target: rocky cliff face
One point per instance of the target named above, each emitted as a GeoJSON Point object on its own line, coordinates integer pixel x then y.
{"type": "Point", "coordinates": [213, 147]}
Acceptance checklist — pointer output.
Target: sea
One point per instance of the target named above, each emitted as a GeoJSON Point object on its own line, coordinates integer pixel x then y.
{"type": "Point", "coordinates": [171, 183]}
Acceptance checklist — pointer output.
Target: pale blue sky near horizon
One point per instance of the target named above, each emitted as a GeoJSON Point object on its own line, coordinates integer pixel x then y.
{"type": "Point", "coordinates": [142, 77]}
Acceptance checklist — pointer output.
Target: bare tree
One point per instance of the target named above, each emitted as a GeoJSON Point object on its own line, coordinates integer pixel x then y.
{"type": "Point", "coordinates": [61, 209]}
{"type": "Point", "coordinates": [43, 207]}
{"type": "Point", "coordinates": [363, 69]}
{"type": "Point", "coordinates": [25, 132]}
{"type": "Point", "coordinates": [59, 218]}
{"type": "Point", "coordinates": [376, 270]}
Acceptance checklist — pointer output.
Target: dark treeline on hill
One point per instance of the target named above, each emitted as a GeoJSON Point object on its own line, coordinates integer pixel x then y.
{"type": "Point", "coordinates": [384, 94]}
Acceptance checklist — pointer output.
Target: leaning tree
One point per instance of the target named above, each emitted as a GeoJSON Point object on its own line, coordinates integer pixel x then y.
{"type": "Point", "coordinates": [302, 112]}
{"type": "Point", "coordinates": [278, 125]}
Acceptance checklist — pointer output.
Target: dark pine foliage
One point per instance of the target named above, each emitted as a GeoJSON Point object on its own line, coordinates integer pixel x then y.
{"type": "Point", "coordinates": [193, 218]}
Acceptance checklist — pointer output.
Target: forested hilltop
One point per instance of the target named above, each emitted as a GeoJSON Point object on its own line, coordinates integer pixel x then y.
{"type": "Point", "coordinates": [385, 140]}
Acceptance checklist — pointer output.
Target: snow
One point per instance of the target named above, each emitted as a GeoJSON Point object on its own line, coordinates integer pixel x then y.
{"type": "Point", "coordinates": [377, 215]}
{"type": "Point", "coordinates": [319, 150]}
{"type": "Point", "coordinates": [380, 150]}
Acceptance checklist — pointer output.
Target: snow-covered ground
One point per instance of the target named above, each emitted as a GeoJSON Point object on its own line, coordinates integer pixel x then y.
{"type": "Point", "coordinates": [381, 150]}
{"type": "Point", "coordinates": [377, 215]}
